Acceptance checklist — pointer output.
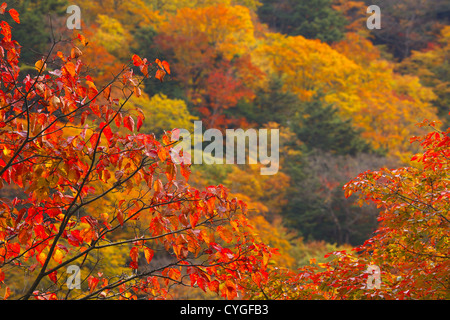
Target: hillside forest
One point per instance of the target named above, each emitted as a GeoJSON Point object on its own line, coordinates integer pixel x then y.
{"type": "Point", "coordinates": [87, 122]}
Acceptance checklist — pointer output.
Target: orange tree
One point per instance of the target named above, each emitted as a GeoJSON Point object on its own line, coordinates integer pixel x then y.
{"type": "Point", "coordinates": [410, 248]}
{"type": "Point", "coordinates": [66, 145]}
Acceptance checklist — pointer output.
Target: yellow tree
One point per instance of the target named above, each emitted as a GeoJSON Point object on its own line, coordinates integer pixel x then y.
{"type": "Point", "coordinates": [384, 104]}
{"type": "Point", "coordinates": [163, 113]}
{"type": "Point", "coordinates": [209, 49]}
{"type": "Point", "coordinates": [432, 67]}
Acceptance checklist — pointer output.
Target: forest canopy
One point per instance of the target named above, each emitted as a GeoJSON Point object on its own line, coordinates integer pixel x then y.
{"type": "Point", "coordinates": [88, 123]}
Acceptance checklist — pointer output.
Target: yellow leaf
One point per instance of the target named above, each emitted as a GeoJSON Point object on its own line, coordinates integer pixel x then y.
{"type": "Point", "coordinates": [40, 65]}
{"type": "Point", "coordinates": [41, 258]}
{"type": "Point", "coordinates": [6, 151]}
{"type": "Point", "coordinates": [58, 255]}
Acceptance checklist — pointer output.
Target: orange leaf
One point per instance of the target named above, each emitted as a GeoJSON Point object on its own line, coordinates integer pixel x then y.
{"type": "Point", "coordinates": [229, 289]}
{"type": "Point", "coordinates": [265, 258]}
{"type": "Point", "coordinates": [148, 254]}
{"type": "Point", "coordinates": [171, 171]}
{"type": "Point", "coordinates": [75, 53]}
{"type": "Point", "coordinates": [70, 67]}
{"type": "Point", "coordinates": [7, 293]}
{"type": "Point", "coordinates": [92, 93]}
{"type": "Point", "coordinates": [134, 253]}
{"type": "Point", "coordinates": [225, 234]}
{"type": "Point", "coordinates": [193, 219]}
{"type": "Point", "coordinates": [166, 66]}
{"type": "Point", "coordinates": [82, 39]}
{"type": "Point", "coordinates": [256, 277]}
{"type": "Point", "coordinates": [185, 171]}
{"type": "Point", "coordinates": [3, 7]}
{"type": "Point", "coordinates": [137, 91]}
{"type": "Point", "coordinates": [160, 75]}
{"type": "Point", "coordinates": [158, 186]}
{"type": "Point", "coordinates": [162, 154]}
{"type": "Point", "coordinates": [158, 62]}
{"type": "Point", "coordinates": [40, 65]}
{"type": "Point", "coordinates": [14, 14]}
{"type": "Point", "coordinates": [214, 286]}
{"type": "Point", "coordinates": [107, 93]}
{"type": "Point", "coordinates": [120, 217]}
{"type": "Point", "coordinates": [144, 70]}
{"type": "Point", "coordinates": [61, 56]}
{"type": "Point", "coordinates": [41, 258]}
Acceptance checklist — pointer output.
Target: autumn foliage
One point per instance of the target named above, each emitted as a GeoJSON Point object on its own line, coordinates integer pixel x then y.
{"type": "Point", "coordinates": [411, 246]}
{"type": "Point", "coordinates": [66, 146]}
{"type": "Point", "coordinates": [87, 176]}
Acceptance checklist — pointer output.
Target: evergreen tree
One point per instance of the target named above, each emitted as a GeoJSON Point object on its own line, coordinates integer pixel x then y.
{"type": "Point", "coordinates": [313, 19]}
{"type": "Point", "coordinates": [319, 126]}
{"type": "Point", "coordinates": [34, 32]}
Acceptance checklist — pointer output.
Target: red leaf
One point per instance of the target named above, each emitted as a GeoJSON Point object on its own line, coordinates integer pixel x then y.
{"type": "Point", "coordinates": [139, 123]}
{"type": "Point", "coordinates": [193, 219]}
{"type": "Point", "coordinates": [214, 286]}
{"type": "Point", "coordinates": [128, 123]}
{"type": "Point", "coordinates": [107, 131]}
{"type": "Point", "coordinates": [134, 265]}
{"type": "Point", "coordinates": [120, 217]}
{"type": "Point", "coordinates": [92, 93]}
{"type": "Point", "coordinates": [14, 14]}
{"type": "Point", "coordinates": [134, 254]}
{"type": "Point", "coordinates": [53, 277]}
{"type": "Point", "coordinates": [92, 282]}
{"type": "Point", "coordinates": [118, 119]}
{"type": "Point", "coordinates": [185, 171]}
{"type": "Point", "coordinates": [93, 140]}
{"type": "Point", "coordinates": [137, 61]}
{"type": "Point", "coordinates": [84, 117]}
{"type": "Point", "coordinates": [201, 283]}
